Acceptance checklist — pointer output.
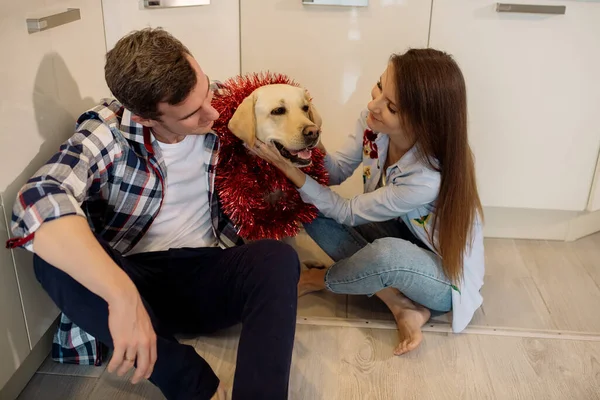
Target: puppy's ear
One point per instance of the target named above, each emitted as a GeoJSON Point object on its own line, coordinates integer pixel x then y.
{"type": "Point", "coordinates": [313, 114]}
{"type": "Point", "coordinates": [243, 122]}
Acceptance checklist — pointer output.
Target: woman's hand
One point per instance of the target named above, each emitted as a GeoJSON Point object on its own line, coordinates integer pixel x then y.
{"type": "Point", "coordinates": [269, 153]}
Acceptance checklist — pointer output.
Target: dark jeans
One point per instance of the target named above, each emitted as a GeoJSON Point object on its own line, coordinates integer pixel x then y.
{"type": "Point", "coordinates": [195, 291]}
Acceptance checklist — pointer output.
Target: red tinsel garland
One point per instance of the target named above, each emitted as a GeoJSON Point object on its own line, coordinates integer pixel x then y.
{"type": "Point", "coordinates": [257, 197]}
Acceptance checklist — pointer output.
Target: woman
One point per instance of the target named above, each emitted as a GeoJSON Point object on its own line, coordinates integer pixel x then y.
{"type": "Point", "coordinates": [414, 238]}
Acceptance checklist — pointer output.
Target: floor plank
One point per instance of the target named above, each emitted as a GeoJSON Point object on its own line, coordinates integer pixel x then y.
{"type": "Point", "coordinates": [510, 296]}
{"type": "Point", "coordinates": [357, 363]}
{"type": "Point", "coordinates": [513, 302]}
{"type": "Point", "coordinates": [353, 363]}
{"type": "Point", "coordinates": [220, 352]}
{"type": "Point", "coordinates": [503, 260]}
{"type": "Point", "coordinates": [567, 289]}
{"type": "Point", "coordinates": [588, 252]}
{"type": "Point", "coordinates": [113, 387]}
{"type": "Point", "coordinates": [56, 387]}
{"type": "Point", "coordinates": [525, 368]}
{"type": "Point", "coordinates": [360, 365]}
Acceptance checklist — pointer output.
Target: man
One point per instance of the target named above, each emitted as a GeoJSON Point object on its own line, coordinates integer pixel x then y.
{"type": "Point", "coordinates": [159, 259]}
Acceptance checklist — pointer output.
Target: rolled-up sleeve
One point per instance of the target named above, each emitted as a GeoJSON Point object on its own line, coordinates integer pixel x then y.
{"type": "Point", "coordinates": [383, 204]}
{"type": "Point", "coordinates": [58, 188]}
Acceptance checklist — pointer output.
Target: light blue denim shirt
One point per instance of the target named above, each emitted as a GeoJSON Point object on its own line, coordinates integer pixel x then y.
{"type": "Point", "coordinates": [409, 194]}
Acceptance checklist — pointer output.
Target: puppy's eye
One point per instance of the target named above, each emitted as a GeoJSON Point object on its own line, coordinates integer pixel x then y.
{"type": "Point", "coordinates": [278, 111]}
{"type": "Point", "coordinates": [305, 108]}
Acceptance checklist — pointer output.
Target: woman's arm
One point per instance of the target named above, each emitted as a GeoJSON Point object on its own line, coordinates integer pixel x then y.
{"type": "Point", "coordinates": [383, 204]}
{"type": "Point", "coordinates": [342, 163]}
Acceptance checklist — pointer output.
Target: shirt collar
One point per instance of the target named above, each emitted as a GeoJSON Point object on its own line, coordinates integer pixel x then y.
{"type": "Point", "coordinates": [408, 161]}
{"type": "Point", "coordinates": [139, 133]}
{"type": "Point", "coordinates": [132, 130]}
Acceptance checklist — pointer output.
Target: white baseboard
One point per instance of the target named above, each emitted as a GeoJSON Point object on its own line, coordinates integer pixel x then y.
{"type": "Point", "coordinates": [583, 225]}
{"type": "Point", "coordinates": [539, 224]}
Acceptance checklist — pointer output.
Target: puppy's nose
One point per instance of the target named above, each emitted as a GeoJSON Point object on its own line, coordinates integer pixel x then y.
{"type": "Point", "coordinates": [311, 132]}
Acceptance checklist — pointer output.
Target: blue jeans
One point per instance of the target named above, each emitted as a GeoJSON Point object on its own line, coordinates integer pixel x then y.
{"type": "Point", "coordinates": [369, 258]}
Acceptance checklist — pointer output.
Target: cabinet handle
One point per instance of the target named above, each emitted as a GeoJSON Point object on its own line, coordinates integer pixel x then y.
{"type": "Point", "coordinates": [174, 3]}
{"type": "Point", "coordinates": [52, 21]}
{"type": "Point", "coordinates": [345, 3]}
{"type": "Point", "coordinates": [530, 8]}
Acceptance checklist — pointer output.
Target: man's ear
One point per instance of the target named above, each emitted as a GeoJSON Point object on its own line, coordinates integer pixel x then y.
{"type": "Point", "coordinates": [313, 114]}
{"type": "Point", "coordinates": [143, 121]}
{"type": "Point", "coordinates": [243, 122]}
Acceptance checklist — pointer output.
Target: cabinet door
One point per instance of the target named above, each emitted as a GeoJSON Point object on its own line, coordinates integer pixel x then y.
{"type": "Point", "coordinates": [51, 77]}
{"type": "Point", "coordinates": [534, 96]}
{"type": "Point", "coordinates": [14, 345]}
{"type": "Point", "coordinates": [211, 31]}
{"type": "Point", "coordinates": [336, 52]}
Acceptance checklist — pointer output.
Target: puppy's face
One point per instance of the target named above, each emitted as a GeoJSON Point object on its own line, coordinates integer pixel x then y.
{"type": "Point", "coordinates": [283, 115]}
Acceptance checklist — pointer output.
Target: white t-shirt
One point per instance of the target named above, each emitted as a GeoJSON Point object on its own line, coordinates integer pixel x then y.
{"type": "Point", "coordinates": [184, 218]}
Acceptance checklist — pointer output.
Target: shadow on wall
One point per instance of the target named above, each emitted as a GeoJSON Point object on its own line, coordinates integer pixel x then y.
{"type": "Point", "coordinates": [57, 103]}
{"type": "Point", "coordinates": [55, 113]}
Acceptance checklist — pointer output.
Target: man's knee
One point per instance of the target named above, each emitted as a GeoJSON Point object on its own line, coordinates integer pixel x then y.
{"type": "Point", "coordinates": [50, 277]}
{"type": "Point", "coordinates": [277, 259]}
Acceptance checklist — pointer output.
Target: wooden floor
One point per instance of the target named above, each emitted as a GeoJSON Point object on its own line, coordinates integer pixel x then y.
{"type": "Point", "coordinates": [537, 336]}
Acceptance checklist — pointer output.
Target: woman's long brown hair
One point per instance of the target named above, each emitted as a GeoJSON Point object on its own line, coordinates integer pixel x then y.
{"type": "Point", "coordinates": [432, 99]}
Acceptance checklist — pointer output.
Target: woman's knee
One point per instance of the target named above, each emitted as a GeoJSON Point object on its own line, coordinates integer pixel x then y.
{"type": "Point", "coordinates": [391, 245]}
{"type": "Point", "coordinates": [384, 263]}
{"type": "Point", "coordinates": [382, 254]}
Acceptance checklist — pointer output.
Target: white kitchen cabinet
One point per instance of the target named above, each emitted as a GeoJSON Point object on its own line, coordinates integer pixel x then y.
{"type": "Point", "coordinates": [50, 78]}
{"type": "Point", "coordinates": [211, 32]}
{"type": "Point", "coordinates": [26, 77]}
{"type": "Point", "coordinates": [336, 52]}
{"type": "Point", "coordinates": [534, 96]}
{"type": "Point", "coordinates": [14, 346]}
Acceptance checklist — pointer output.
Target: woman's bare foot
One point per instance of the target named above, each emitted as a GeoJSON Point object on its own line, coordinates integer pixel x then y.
{"type": "Point", "coordinates": [311, 280]}
{"type": "Point", "coordinates": [410, 317]}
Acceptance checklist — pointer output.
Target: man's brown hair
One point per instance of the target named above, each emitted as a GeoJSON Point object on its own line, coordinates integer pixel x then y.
{"type": "Point", "coordinates": [147, 67]}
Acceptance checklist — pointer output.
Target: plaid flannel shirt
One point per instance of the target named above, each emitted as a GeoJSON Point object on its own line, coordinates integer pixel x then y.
{"type": "Point", "coordinates": [111, 171]}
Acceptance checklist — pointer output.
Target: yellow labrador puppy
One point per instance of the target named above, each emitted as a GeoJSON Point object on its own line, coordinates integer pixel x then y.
{"type": "Point", "coordinates": [280, 114]}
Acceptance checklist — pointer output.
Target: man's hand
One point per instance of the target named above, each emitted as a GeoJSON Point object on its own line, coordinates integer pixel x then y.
{"type": "Point", "coordinates": [64, 243]}
{"type": "Point", "coordinates": [133, 337]}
